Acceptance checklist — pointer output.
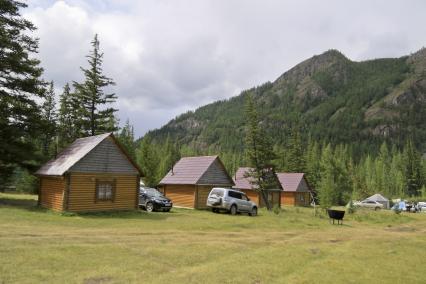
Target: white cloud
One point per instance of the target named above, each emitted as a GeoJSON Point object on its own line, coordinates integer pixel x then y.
{"type": "Point", "coordinates": [168, 56]}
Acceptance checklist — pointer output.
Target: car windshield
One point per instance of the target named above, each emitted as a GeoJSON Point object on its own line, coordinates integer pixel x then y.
{"type": "Point", "coordinates": [217, 192]}
{"type": "Point", "coordinates": [153, 193]}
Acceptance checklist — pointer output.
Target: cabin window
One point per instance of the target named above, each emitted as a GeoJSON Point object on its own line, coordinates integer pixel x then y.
{"type": "Point", "coordinates": [105, 190]}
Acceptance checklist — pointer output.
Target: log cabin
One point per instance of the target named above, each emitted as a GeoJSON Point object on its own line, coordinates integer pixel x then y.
{"type": "Point", "coordinates": [190, 180]}
{"type": "Point", "coordinates": [296, 189]}
{"type": "Point", "coordinates": [92, 174]}
{"type": "Point", "coordinates": [242, 183]}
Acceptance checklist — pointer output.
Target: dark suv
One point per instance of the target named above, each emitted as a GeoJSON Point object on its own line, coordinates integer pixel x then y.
{"type": "Point", "coordinates": [152, 200]}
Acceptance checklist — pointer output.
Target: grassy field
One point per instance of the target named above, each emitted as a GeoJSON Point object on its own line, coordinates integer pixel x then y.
{"type": "Point", "coordinates": [188, 246]}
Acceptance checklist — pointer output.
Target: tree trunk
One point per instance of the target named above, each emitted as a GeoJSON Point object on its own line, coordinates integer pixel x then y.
{"type": "Point", "coordinates": [265, 199]}
{"type": "Point", "coordinates": [92, 119]}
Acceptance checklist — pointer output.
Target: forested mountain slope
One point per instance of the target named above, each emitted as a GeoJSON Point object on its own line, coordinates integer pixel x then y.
{"type": "Point", "coordinates": [328, 97]}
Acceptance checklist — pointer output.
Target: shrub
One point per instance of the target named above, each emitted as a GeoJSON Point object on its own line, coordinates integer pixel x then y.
{"type": "Point", "coordinates": [350, 208]}
{"type": "Point", "coordinates": [276, 209]}
{"type": "Point", "coordinates": [27, 183]}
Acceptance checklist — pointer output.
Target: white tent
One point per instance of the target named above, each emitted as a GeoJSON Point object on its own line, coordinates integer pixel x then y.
{"type": "Point", "coordinates": [379, 198]}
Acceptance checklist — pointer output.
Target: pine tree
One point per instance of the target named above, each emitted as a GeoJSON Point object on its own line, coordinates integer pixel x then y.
{"type": "Point", "coordinates": [412, 169]}
{"type": "Point", "coordinates": [359, 181]}
{"type": "Point", "coordinates": [49, 115]}
{"type": "Point", "coordinates": [171, 154]}
{"type": "Point", "coordinates": [67, 128]}
{"type": "Point", "coordinates": [382, 164]}
{"type": "Point", "coordinates": [313, 167]}
{"type": "Point", "coordinates": [259, 153]}
{"type": "Point", "coordinates": [327, 189]}
{"type": "Point", "coordinates": [370, 176]}
{"type": "Point", "coordinates": [396, 176]}
{"type": "Point", "coordinates": [342, 176]}
{"type": "Point", "coordinates": [148, 162]}
{"type": "Point", "coordinates": [127, 139]}
{"type": "Point", "coordinates": [96, 112]}
{"type": "Point", "coordinates": [295, 156]}
{"type": "Point", "coordinates": [20, 115]}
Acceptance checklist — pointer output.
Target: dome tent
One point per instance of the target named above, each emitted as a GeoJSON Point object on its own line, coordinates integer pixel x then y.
{"type": "Point", "coordinates": [379, 198]}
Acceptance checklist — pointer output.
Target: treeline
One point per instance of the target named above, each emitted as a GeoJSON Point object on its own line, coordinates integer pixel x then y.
{"type": "Point", "coordinates": [34, 127]}
{"type": "Point", "coordinates": [331, 170]}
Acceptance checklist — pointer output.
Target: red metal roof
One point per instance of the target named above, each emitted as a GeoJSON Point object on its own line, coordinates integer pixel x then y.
{"type": "Point", "coordinates": [189, 170]}
{"type": "Point", "coordinates": [290, 181]}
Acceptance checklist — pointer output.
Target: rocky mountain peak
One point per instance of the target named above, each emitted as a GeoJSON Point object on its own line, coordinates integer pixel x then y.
{"type": "Point", "coordinates": [418, 59]}
{"type": "Point", "coordinates": [331, 58]}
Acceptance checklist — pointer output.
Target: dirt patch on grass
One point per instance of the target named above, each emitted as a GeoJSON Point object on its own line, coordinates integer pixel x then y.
{"type": "Point", "coordinates": [98, 280]}
{"type": "Point", "coordinates": [314, 250]}
{"type": "Point", "coordinates": [401, 229]}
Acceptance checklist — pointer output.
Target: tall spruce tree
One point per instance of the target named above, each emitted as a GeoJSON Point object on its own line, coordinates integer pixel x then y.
{"type": "Point", "coordinates": [382, 170]}
{"type": "Point", "coordinates": [49, 115]}
{"type": "Point", "coordinates": [148, 161]}
{"type": "Point", "coordinates": [342, 175]}
{"type": "Point", "coordinates": [96, 112]}
{"type": "Point", "coordinates": [20, 84]}
{"type": "Point", "coordinates": [396, 175]}
{"type": "Point", "coordinates": [313, 166]}
{"type": "Point", "coordinates": [259, 153]}
{"type": "Point", "coordinates": [327, 189]}
{"type": "Point", "coordinates": [127, 139]}
{"type": "Point", "coordinates": [412, 169]}
{"type": "Point", "coordinates": [295, 157]}
{"type": "Point", "coordinates": [67, 117]}
{"type": "Point", "coordinates": [171, 154]}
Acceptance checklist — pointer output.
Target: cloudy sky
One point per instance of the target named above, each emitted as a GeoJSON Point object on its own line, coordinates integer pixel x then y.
{"type": "Point", "coordinates": [171, 56]}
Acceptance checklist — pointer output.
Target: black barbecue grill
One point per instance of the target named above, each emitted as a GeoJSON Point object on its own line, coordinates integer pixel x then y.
{"type": "Point", "coordinates": [336, 215]}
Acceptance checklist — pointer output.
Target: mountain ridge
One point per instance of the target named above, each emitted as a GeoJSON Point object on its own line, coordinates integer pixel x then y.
{"type": "Point", "coordinates": [328, 96]}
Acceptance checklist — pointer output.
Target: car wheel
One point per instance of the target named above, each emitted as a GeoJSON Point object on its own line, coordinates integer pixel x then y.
{"type": "Point", "coordinates": [377, 208]}
{"type": "Point", "coordinates": [233, 210]}
{"type": "Point", "coordinates": [149, 207]}
{"type": "Point", "coordinates": [253, 211]}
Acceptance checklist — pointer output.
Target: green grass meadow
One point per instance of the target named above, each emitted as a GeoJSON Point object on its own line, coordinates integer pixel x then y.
{"type": "Point", "coordinates": [190, 246]}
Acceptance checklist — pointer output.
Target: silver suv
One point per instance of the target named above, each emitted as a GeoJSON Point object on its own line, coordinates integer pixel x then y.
{"type": "Point", "coordinates": [230, 200]}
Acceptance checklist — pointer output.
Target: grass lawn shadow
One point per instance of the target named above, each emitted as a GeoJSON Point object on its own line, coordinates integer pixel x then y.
{"type": "Point", "coordinates": [18, 202]}
{"type": "Point", "coordinates": [130, 214]}
{"type": "Point", "coordinates": [28, 202]}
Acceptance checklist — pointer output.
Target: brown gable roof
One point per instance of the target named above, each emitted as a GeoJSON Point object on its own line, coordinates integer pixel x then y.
{"type": "Point", "coordinates": [74, 153]}
{"type": "Point", "coordinates": [190, 170]}
{"type": "Point", "coordinates": [290, 181]}
{"type": "Point", "coordinates": [242, 182]}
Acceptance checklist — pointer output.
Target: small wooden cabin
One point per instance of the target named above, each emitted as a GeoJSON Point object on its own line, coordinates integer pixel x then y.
{"type": "Point", "coordinates": [242, 183]}
{"type": "Point", "coordinates": [92, 174]}
{"type": "Point", "coordinates": [296, 189]}
{"type": "Point", "coordinates": [190, 180]}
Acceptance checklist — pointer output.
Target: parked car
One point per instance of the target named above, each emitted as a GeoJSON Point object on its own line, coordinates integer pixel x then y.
{"type": "Point", "coordinates": [230, 200]}
{"type": "Point", "coordinates": [369, 204]}
{"type": "Point", "coordinates": [152, 200]}
{"type": "Point", "coordinates": [422, 206]}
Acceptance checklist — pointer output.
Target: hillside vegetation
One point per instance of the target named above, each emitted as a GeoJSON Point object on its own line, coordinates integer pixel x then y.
{"type": "Point", "coordinates": [329, 97]}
